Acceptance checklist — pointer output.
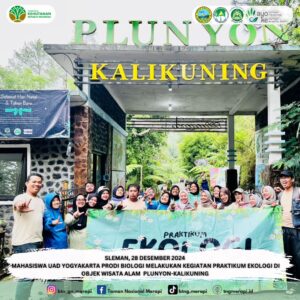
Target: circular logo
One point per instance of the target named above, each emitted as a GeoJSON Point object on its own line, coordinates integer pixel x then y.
{"type": "Point", "coordinates": [17, 131]}
{"type": "Point", "coordinates": [237, 15]}
{"type": "Point", "coordinates": [217, 289]}
{"type": "Point", "coordinates": [221, 15]}
{"type": "Point", "coordinates": [17, 14]}
{"type": "Point", "coordinates": [203, 14]}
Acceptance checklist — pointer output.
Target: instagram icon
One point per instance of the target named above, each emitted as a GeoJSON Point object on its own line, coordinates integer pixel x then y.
{"type": "Point", "coordinates": [51, 289]}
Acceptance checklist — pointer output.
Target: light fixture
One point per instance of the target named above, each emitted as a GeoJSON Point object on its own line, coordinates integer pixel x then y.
{"type": "Point", "coordinates": [170, 107]}
{"type": "Point", "coordinates": [170, 87]}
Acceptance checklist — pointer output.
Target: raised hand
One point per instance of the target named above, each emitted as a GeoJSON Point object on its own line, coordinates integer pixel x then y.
{"type": "Point", "coordinates": [77, 213]}
{"type": "Point", "coordinates": [23, 206]}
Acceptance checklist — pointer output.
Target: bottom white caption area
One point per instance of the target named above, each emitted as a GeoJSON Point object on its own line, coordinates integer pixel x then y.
{"type": "Point", "coordinates": [148, 264]}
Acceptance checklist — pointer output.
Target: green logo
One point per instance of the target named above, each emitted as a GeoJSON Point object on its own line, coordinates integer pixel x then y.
{"type": "Point", "coordinates": [17, 131]}
{"type": "Point", "coordinates": [18, 111]}
{"type": "Point", "coordinates": [17, 14]}
{"type": "Point", "coordinates": [251, 15]}
{"type": "Point", "coordinates": [221, 15]}
{"type": "Point", "coordinates": [203, 14]}
{"type": "Point", "coordinates": [237, 15]}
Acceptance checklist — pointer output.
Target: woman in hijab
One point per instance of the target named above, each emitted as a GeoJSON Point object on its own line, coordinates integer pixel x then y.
{"type": "Point", "coordinates": [174, 193]}
{"type": "Point", "coordinates": [194, 195]}
{"type": "Point", "coordinates": [118, 195]}
{"type": "Point", "coordinates": [76, 221]}
{"type": "Point", "coordinates": [269, 196]}
{"type": "Point", "coordinates": [103, 198]}
{"type": "Point", "coordinates": [205, 202]}
{"type": "Point", "coordinates": [255, 200]}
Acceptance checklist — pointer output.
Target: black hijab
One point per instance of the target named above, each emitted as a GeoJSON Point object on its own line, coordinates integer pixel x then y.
{"type": "Point", "coordinates": [198, 189]}
{"type": "Point", "coordinates": [172, 197]}
{"type": "Point", "coordinates": [100, 202]}
{"type": "Point", "coordinates": [82, 220]}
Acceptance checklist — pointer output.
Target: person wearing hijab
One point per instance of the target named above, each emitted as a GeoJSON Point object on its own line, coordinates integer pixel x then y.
{"type": "Point", "coordinates": [255, 200]}
{"type": "Point", "coordinates": [182, 204]}
{"type": "Point", "coordinates": [76, 221]}
{"type": "Point", "coordinates": [194, 195]}
{"type": "Point", "coordinates": [205, 202]}
{"type": "Point", "coordinates": [118, 195]}
{"type": "Point", "coordinates": [174, 193]}
{"type": "Point", "coordinates": [103, 198]}
{"type": "Point", "coordinates": [92, 200]}
{"type": "Point", "coordinates": [164, 201]}
{"type": "Point", "coordinates": [269, 196]}
{"type": "Point", "coordinates": [55, 232]}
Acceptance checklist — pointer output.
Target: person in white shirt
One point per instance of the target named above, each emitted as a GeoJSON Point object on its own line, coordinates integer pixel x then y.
{"type": "Point", "coordinates": [289, 199]}
{"type": "Point", "coordinates": [28, 210]}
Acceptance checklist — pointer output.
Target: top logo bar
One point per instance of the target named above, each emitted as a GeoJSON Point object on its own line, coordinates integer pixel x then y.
{"type": "Point", "coordinates": [244, 15]}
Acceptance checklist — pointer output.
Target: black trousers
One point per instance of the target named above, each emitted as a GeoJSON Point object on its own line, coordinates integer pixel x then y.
{"type": "Point", "coordinates": [291, 242]}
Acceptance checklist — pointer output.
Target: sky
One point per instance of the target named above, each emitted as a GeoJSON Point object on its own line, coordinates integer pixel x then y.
{"type": "Point", "coordinates": [61, 30]}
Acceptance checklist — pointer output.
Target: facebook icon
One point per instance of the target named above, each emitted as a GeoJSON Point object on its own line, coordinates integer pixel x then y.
{"type": "Point", "coordinates": [101, 289]}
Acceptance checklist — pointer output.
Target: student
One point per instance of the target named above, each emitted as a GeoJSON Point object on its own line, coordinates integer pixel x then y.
{"type": "Point", "coordinates": [118, 194]}
{"type": "Point", "coordinates": [269, 196]}
{"type": "Point", "coordinates": [55, 233]}
{"type": "Point", "coordinates": [182, 204]}
{"type": "Point", "coordinates": [89, 188]}
{"type": "Point", "coordinates": [194, 195]}
{"type": "Point", "coordinates": [289, 199]}
{"type": "Point", "coordinates": [255, 200]}
{"type": "Point", "coordinates": [92, 201]}
{"type": "Point", "coordinates": [241, 199]}
{"type": "Point", "coordinates": [76, 221]}
{"type": "Point", "coordinates": [225, 197]}
{"type": "Point", "coordinates": [149, 198]}
{"type": "Point", "coordinates": [103, 198]}
{"type": "Point", "coordinates": [164, 201]}
{"type": "Point", "coordinates": [133, 202]}
{"type": "Point", "coordinates": [205, 202]}
{"type": "Point", "coordinates": [216, 196]}
{"type": "Point", "coordinates": [174, 193]}
{"type": "Point", "coordinates": [27, 233]}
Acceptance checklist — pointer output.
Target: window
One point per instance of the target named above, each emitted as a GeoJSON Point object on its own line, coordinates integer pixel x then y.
{"type": "Point", "coordinates": [13, 171]}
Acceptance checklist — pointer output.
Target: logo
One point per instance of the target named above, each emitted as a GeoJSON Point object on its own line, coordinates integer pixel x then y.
{"type": "Point", "coordinates": [203, 14]}
{"type": "Point", "coordinates": [221, 14]}
{"type": "Point", "coordinates": [172, 289]}
{"type": "Point", "coordinates": [51, 289]}
{"type": "Point", "coordinates": [101, 289]}
{"type": "Point", "coordinates": [217, 289]}
{"type": "Point", "coordinates": [251, 15]}
{"type": "Point", "coordinates": [18, 131]}
{"type": "Point", "coordinates": [237, 15]}
{"type": "Point", "coordinates": [17, 14]}
{"type": "Point", "coordinates": [7, 130]}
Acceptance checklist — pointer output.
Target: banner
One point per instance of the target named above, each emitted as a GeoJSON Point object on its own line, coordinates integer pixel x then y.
{"type": "Point", "coordinates": [34, 114]}
{"type": "Point", "coordinates": [188, 232]}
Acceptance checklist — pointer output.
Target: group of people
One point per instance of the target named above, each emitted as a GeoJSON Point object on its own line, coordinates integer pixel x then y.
{"type": "Point", "coordinates": [40, 224]}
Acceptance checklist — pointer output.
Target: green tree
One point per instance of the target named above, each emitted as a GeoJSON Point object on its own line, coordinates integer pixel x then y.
{"type": "Point", "coordinates": [24, 79]}
{"type": "Point", "coordinates": [290, 122]}
{"type": "Point", "coordinates": [143, 148]}
{"type": "Point", "coordinates": [33, 57]}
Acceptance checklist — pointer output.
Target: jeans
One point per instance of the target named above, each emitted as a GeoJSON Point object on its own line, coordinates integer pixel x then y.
{"type": "Point", "coordinates": [291, 242]}
{"type": "Point", "coordinates": [23, 288]}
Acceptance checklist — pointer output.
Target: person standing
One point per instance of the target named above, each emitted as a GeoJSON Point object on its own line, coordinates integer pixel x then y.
{"type": "Point", "coordinates": [27, 233]}
{"type": "Point", "coordinates": [289, 199]}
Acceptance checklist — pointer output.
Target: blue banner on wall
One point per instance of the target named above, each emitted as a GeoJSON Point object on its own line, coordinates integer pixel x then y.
{"type": "Point", "coordinates": [34, 114]}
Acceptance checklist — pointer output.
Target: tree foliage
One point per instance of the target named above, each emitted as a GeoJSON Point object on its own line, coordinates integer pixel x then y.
{"type": "Point", "coordinates": [290, 122]}
{"type": "Point", "coordinates": [143, 148]}
{"type": "Point", "coordinates": [32, 57]}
